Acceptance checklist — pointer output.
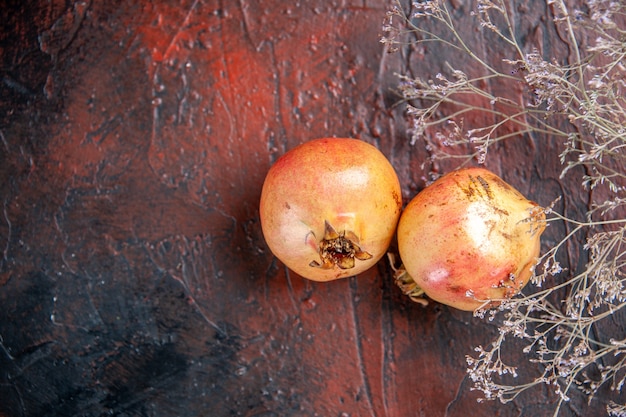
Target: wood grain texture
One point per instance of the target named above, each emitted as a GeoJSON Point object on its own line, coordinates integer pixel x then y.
{"type": "Point", "coordinates": [134, 278]}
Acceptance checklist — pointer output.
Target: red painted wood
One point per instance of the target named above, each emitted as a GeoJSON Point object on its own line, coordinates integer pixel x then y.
{"type": "Point", "coordinates": [134, 278]}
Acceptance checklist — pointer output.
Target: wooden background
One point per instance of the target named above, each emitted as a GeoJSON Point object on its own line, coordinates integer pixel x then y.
{"type": "Point", "coordinates": [134, 278]}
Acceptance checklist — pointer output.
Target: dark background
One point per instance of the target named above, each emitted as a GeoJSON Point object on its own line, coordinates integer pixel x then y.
{"type": "Point", "coordinates": [134, 278]}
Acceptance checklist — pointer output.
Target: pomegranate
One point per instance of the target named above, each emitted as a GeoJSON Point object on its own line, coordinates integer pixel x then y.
{"type": "Point", "coordinates": [468, 239]}
{"type": "Point", "coordinates": [329, 208]}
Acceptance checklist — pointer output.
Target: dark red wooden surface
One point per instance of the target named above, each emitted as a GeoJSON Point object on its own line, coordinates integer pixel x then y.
{"type": "Point", "coordinates": [134, 278]}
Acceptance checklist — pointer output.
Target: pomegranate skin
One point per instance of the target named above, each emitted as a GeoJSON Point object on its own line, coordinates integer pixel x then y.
{"type": "Point", "coordinates": [470, 238]}
{"type": "Point", "coordinates": [329, 208]}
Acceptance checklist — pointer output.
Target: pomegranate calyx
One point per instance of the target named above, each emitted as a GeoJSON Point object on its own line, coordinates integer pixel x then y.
{"type": "Point", "coordinates": [406, 283]}
{"type": "Point", "coordinates": [339, 249]}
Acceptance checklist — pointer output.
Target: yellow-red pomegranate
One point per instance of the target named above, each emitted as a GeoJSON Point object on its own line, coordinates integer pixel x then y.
{"type": "Point", "coordinates": [467, 239]}
{"type": "Point", "coordinates": [330, 207]}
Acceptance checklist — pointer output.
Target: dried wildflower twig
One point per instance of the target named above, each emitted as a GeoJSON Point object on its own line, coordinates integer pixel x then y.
{"type": "Point", "coordinates": [583, 103]}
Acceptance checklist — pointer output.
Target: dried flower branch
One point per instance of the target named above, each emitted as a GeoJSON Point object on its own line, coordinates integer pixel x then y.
{"type": "Point", "coordinates": [582, 103]}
